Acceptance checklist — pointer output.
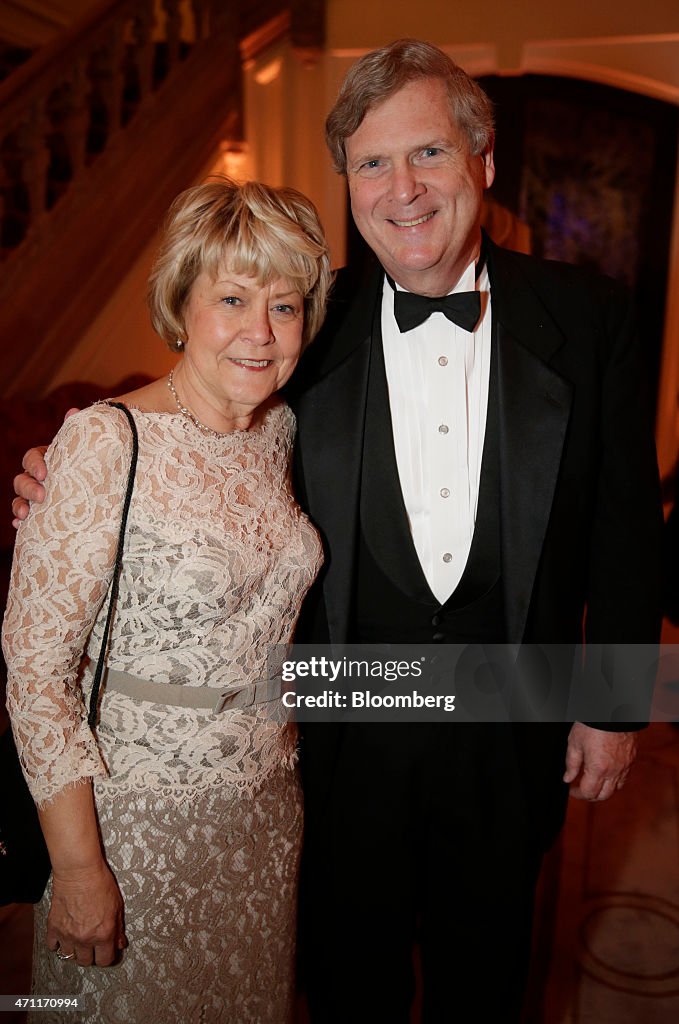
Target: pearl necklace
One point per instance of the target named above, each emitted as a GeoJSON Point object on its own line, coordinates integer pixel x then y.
{"type": "Point", "coordinates": [187, 412]}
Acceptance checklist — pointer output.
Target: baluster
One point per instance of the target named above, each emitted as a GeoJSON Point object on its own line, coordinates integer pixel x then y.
{"type": "Point", "coordinates": [60, 169]}
{"type": "Point", "coordinates": [35, 157]}
{"type": "Point", "coordinates": [173, 26]}
{"type": "Point", "coordinates": [110, 78]}
{"type": "Point", "coordinates": [77, 117]}
{"type": "Point", "coordinates": [200, 13]}
{"type": "Point", "coordinates": [144, 48]}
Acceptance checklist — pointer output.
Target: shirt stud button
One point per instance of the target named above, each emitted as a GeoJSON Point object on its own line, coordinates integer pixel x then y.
{"type": "Point", "coordinates": [443, 429]}
{"type": "Point", "coordinates": [447, 557]}
{"type": "Point", "coordinates": [445, 493]}
{"type": "Point", "coordinates": [443, 360]}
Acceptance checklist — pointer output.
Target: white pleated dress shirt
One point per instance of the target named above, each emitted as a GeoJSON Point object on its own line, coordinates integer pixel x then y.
{"type": "Point", "coordinates": [438, 376]}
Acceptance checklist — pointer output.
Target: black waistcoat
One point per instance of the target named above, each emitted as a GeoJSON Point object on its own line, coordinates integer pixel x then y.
{"type": "Point", "coordinates": [393, 601]}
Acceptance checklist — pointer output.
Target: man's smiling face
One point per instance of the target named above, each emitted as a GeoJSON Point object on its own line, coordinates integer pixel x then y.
{"type": "Point", "coordinates": [416, 191]}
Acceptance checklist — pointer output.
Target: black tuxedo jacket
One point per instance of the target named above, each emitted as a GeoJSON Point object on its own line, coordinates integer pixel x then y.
{"type": "Point", "coordinates": [579, 499]}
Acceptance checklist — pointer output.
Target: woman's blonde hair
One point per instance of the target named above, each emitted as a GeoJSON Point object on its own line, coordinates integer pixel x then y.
{"type": "Point", "coordinates": [254, 229]}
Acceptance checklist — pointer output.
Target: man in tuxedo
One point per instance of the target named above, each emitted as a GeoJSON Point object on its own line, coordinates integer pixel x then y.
{"type": "Point", "coordinates": [479, 479]}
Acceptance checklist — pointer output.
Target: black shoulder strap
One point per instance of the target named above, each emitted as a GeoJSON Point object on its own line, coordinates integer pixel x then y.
{"type": "Point", "coordinates": [113, 590]}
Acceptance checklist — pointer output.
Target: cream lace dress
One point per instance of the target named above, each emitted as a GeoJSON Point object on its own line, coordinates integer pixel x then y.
{"type": "Point", "coordinates": [200, 814]}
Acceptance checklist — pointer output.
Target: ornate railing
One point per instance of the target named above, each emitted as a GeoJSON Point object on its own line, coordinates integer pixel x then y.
{"type": "Point", "coordinates": [71, 100]}
{"type": "Point", "coordinates": [99, 130]}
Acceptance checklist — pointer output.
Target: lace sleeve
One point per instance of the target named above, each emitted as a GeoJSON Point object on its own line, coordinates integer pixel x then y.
{"type": "Point", "coordinates": [63, 561]}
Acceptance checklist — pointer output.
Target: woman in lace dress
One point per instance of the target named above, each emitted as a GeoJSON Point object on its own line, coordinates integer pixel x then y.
{"type": "Point", "coordinates": [174, 827]}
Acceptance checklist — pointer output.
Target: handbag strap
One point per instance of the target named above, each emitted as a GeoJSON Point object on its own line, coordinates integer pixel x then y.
{"type": "Point", "coordinates": [101, 661]}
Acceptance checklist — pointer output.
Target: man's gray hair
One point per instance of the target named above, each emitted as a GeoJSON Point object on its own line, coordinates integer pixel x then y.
{"type": "Point", "coordinates": [381, 73]}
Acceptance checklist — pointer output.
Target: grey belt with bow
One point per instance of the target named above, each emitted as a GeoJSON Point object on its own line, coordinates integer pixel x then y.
{"type": "Point", "coordinates": [261, 692]}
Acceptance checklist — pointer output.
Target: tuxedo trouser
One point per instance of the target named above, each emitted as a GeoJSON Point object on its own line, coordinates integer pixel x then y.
{"type": "Point", "coordinates": [423, 839]}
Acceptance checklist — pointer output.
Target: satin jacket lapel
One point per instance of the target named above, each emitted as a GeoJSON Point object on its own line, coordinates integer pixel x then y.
{"type": "Point", "coordinates": [534, 409]}
{"type": "Point", "coordinates": [333, 408]}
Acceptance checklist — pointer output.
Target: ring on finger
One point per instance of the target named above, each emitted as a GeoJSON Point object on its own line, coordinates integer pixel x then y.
{"type": "Point", "coordinates": [64, 956]}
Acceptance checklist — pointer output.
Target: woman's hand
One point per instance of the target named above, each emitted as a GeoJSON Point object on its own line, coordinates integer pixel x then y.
{"type": "Point", "coordinates": [86, 916]}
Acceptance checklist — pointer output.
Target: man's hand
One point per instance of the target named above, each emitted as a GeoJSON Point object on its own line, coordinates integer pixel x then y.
{"type": "Point", "coordinates": [28, 485]}
{"type": "Point", "coordinates": [598, 762]}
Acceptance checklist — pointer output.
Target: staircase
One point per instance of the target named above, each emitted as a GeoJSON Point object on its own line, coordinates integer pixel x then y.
{"type": "Point", "coordinates": [101, 128]}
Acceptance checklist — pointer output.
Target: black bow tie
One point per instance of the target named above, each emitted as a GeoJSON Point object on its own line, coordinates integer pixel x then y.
{"type": "Point", "coordinates": [462, 308]}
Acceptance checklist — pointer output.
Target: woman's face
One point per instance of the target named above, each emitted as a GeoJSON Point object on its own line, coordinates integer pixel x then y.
{"type": "Point", "coordinates": [243, 341]}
